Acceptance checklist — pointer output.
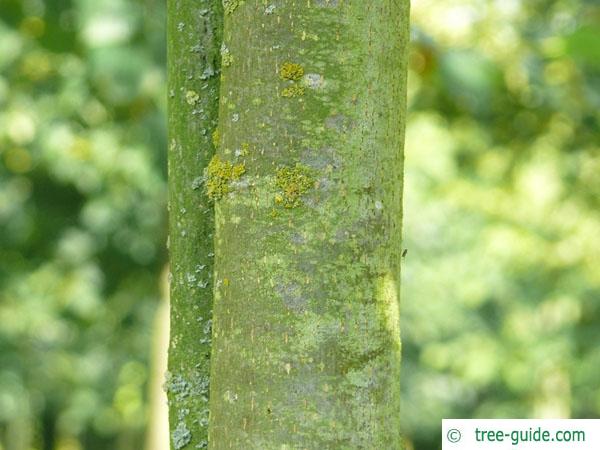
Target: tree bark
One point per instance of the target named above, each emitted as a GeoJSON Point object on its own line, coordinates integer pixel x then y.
{"type": "Point", "coordinates": [194, 38]}
{"type": "Point", "coordinates": [307, 185]}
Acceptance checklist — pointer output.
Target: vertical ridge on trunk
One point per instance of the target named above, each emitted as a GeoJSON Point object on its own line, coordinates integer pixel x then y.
{"type": "Point", "coordinates": [307, 187]}
{"type": "Point", "coordinates": [194, 38]}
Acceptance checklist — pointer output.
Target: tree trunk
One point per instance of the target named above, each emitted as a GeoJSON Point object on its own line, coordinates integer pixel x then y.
{"type": "Point", "coordinates": [194, 39]}
{"type": "Point", "coordinates": [307, 184]}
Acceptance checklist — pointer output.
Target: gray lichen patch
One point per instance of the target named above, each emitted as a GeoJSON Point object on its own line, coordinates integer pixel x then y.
{"type": "Point", "coordinates": [327, 3]}
{"type": "Point", "coordinates": [298, 239]}
{"type": "Point", "coordinates": [314, 81]}
{"type": "Point", "coordinates": [292, 296]}
{"type": "Point", "coordinates": [208, 72]}
{"type": "Point", "coordinates": [181, 436]}
{"type": "Point", "coordinates": [197, 183]}
{"type": "Point", "coordinates": [365, 377]}
{"type": "Point", "coordinates": [326, 158]}
{"type": "Point", "coordinates": [177, 385]}
{"type": "Point", "coordinates": [338, 122]}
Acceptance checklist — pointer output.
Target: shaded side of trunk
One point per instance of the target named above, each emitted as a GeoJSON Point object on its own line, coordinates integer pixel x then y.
{"type": "Point", "coordinates": [307, 184]}
{"type": "Point", "coordinates": [194, 37]}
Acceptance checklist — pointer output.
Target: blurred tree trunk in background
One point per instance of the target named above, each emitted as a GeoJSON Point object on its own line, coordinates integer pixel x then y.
{"type": "Point", "coordinates": [157, 432]}
{"type": "Point", "coordinates": [194, 28]}
{"type": "Point", "coordinates": [307, 184]}
{"type": "Point", "coordinates": [18, 434]}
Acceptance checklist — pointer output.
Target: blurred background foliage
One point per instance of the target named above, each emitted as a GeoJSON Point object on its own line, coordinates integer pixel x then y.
{"type": "Point", "coordinates": [82, 219]}
{"type": "Point", "coordinates": [501, 287]}
{"type": "Point", "coordinates": [501, 284]}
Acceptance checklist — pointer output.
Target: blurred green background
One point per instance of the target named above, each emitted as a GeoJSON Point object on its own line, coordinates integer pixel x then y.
{"type": "Point", "coordinates": [501, 284]}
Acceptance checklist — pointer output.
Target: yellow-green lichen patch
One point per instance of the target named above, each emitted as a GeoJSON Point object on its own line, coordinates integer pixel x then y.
{"type": "Point", "coordinates": [291, 71]}
{"type": "Point", "coordinates": [293, 91]}
{"type": "Point", "coordinates": [216, 137]}
{"type": "Point", "coordinates": [219, 175]}
{"type": "Point", "coordinates": [294, 182]}
{"type": "Point", "coordinates": [231, 5]}
{"type": "Point", "coordinates": [244, 150]}
{"type": "Point", "coordinates": [192, 97]}
{"type": "Point", "coordinates": [226, 56]}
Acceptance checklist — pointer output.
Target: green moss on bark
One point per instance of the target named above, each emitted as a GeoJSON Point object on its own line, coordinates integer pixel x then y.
{"type": "Point", "coordinates": [194, 42]}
